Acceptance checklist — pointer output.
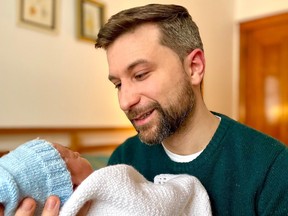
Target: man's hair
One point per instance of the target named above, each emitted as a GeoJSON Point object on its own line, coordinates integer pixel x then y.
{"type": "Point", "coordinates": [178, 31]}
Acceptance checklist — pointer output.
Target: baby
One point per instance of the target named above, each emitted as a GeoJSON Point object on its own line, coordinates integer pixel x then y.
{"type": "Point", "coordinates": [39, 169]}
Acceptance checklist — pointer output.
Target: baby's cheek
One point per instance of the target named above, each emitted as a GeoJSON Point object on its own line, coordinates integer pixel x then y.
{"type": "Point", "coordinates": [80, 170]}
{"type": "Point", "coordinates": [86, 166]}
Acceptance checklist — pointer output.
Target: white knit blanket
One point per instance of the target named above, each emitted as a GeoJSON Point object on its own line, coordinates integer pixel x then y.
{"type": "Point", "coordinates": [121, 190]}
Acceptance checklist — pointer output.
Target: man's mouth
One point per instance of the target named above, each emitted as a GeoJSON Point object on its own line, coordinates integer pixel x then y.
{"type": "Point", "coordinates": [143, 118]}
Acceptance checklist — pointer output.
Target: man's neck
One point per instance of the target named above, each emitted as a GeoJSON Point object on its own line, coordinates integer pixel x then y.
{"type": "Point", "coordinates": [195, 134]}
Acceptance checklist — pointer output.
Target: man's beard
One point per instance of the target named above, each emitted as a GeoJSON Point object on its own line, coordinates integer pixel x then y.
{"type": "Point", "coordinates": [169, 119]}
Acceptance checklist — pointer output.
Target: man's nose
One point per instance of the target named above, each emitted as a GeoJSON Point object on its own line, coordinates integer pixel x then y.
{"type": "Point", "coordinates": [128, 97]}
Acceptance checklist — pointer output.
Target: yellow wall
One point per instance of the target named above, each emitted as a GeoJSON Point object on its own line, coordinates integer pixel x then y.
{"type": "Point", "coordinates": [59, 81]}
{"type": "Point", "coordinates": [251, 9]}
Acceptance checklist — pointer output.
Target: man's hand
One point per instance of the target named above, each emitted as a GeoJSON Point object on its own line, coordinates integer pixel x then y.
{"type": "Point", "coordinates": [51, 208]}
{"type": "Point", "coordinates": [1, 210]}
{"type": "Point", "coordinates": [27, 207]}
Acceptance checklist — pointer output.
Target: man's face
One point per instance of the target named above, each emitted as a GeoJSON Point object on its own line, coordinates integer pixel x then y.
{"type": "Point", "coordinates": [154, 90]}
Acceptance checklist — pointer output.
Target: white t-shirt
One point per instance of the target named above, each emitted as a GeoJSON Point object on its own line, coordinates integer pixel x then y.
{"type": "Point", "coordinates": [181, 158]}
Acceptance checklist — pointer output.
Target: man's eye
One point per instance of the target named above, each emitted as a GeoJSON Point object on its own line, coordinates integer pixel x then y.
{"type": "Point", "coordinates": [140, 76]}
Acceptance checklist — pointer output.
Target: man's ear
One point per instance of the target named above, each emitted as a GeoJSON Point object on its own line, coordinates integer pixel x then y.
{"type": "Point", "coordinates": [195, 66]}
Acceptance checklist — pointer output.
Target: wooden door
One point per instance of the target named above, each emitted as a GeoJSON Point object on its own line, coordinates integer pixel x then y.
{"type": "Point", "coordinates": [264, 75]}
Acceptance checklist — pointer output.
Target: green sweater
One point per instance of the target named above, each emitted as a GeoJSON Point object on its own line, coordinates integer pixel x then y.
{"type": "Point", "coordinates": [243, 170]}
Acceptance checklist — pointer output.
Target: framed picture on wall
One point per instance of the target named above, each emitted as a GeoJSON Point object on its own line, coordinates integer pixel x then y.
{"type": "Point", "coordinates": [90, 19]}
{"type": "Point", "coordinates": [39, 14]}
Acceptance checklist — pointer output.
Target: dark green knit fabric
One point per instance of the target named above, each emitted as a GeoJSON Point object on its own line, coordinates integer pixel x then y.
{"type": "Point", "coordinates": [244, 171]}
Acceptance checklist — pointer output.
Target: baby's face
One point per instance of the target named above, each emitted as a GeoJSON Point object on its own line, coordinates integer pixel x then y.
{"type": "Point", "coordinates": [79, 167]}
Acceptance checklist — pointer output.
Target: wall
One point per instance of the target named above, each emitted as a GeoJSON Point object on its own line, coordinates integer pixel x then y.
{"type": "Point", "coordinates": [57, 80]}
{"type": "Point", "coordinates": [53, 80]}
{"type": "Point", "coordinates": [251, 9]}
{"type": "Point", "coordinates": [60, 81]}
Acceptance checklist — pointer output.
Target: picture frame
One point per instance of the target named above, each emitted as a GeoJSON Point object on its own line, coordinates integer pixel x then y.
{"type": "Point", "coordinates": [42, 15]}
{"type": "Point", "coordinates": [90, 19]}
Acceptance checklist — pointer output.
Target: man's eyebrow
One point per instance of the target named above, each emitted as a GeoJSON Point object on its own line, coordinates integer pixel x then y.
{"type": "Point", "coordinates": [137, 62]}
{"type": "Point", "coordinates": [130, 67]}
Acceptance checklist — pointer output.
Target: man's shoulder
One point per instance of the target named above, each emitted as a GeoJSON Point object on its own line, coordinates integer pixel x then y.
{"type": "Point", "coordinates": [247, 132]}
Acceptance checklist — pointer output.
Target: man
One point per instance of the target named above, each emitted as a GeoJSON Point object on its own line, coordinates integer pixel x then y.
{"type": "Point", "coordinates": [156, 61]}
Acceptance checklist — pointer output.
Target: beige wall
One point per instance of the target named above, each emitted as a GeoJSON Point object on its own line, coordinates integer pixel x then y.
{"type": "Point", "coordinates": [251, 9]}
{"type": "Point", "coordinates": [58, 81]}
{"type": "Point", "coordinates": [53, 80]}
